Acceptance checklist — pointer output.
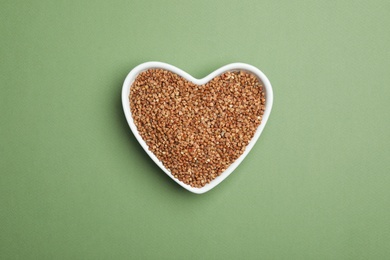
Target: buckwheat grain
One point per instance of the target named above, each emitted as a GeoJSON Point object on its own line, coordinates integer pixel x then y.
{"type": "Point", "coordinates": [196, 131]}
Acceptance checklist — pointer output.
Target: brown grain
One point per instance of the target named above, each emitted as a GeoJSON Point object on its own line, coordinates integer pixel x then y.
{"type": "Point", "coordinates": [196, 131]}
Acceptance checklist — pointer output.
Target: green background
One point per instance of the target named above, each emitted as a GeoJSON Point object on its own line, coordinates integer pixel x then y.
{"type": "Point", "coordinates": [75, 184]}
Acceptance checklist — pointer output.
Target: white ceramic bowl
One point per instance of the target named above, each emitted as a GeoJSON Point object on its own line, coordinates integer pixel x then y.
{"type": "Point", "coordinates": [230, 67]}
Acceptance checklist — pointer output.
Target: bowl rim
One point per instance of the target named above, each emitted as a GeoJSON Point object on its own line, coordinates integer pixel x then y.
{"type": "Point", "coordinates": [229, 67]}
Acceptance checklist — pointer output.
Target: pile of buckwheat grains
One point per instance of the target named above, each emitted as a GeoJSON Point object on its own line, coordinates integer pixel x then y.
{"type": "Point", "coordinates": [196, 131]}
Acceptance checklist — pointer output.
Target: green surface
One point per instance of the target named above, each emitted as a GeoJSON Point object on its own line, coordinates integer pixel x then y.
{"type": "Point", "coordinates": [75, 184]}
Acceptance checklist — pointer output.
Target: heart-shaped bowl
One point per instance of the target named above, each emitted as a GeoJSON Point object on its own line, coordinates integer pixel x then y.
{"type": "Point", "coordinates": [230, 67]}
